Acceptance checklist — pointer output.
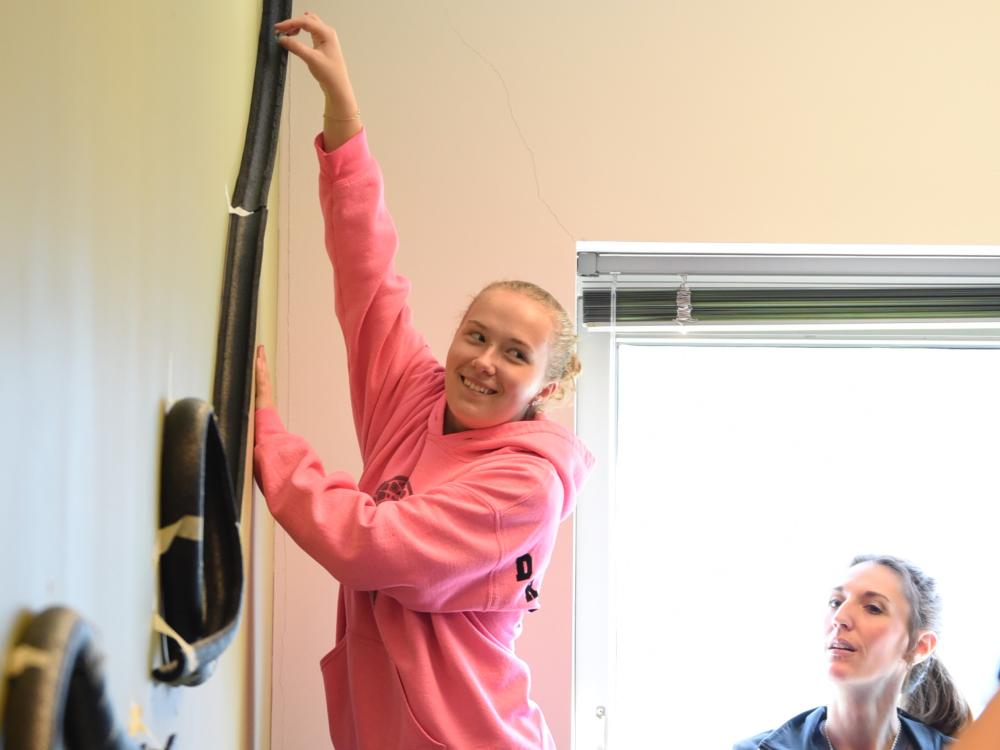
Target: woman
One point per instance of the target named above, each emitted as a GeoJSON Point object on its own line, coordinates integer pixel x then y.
{"type": "Point", "coordinates": [441, 545]}
{"type": "Point", "coordinates": [889, 688]}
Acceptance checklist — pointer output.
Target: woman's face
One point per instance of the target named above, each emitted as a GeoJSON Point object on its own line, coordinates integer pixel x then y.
{"type": "Point", "coordinates": [867, 637]}
{"type": "Point", "coordinates": [497, 360]}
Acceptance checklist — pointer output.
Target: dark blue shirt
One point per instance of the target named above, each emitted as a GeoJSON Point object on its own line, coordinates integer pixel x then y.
{"type": "Point", "coordinates": [804, 732]}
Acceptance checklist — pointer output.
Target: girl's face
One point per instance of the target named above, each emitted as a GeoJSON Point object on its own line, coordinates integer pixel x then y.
{"type": "Point", "coordinates": [867, 637]}
{"type": "Point", "coordinates": [497, 360]}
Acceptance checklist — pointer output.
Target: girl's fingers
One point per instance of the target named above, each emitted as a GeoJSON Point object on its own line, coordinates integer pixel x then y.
{"type": "Point", "coordinates": [262, 361]}
{"type": "Point", "coordinates": [297, 47]}
{"type": "Point", "coordinates": [324, 58]}
{"type": "Point", "coordinates": [310, 23]}
{"type": "Point", "coordinates": [263, 385]}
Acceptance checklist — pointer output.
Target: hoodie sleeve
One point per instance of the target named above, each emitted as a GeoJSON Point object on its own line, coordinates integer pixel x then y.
{"type": "Point", "coordinates": [384, 352]}
{"type": "Point", "coordinates": [479, 543]}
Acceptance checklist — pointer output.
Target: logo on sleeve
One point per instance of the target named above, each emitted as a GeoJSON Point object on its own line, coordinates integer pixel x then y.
{"type": "Point", "coordinates": [393, 489]}
{"type": "Point", "coordinates": [523, 566]}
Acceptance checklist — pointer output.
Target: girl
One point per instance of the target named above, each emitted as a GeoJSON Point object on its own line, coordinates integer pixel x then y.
{"type": "Point", "coordinates": [441, 545]}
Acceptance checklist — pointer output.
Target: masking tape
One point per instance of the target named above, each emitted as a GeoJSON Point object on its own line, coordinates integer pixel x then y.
{"type": "Point", "coordinates": [160, 626]}
{"type": "Point", "coordinates": [235, 209]}
{"type": "Point", "coordinates": [25, 657]}
{"type": "Point", "coordinates": [187, 527]}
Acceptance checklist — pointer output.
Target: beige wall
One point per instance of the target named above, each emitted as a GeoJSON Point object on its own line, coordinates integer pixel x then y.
{"type": "Point", "coordinates": [693, 120]}
{"type": "Point", "coordinates": [122, 123]}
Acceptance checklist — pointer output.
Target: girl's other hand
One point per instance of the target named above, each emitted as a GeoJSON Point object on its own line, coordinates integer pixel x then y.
{"type": "Point", "coordinates": [263, 398]}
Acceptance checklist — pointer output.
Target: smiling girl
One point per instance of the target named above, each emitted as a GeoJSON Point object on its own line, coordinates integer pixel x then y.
{"type": "Point", "coordinates": [441, 545]}
{"type": "Point", "coordinates": [889, 688]}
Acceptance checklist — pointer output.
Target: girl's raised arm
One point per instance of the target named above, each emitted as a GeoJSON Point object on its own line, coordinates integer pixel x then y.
{"type": "Point", "coordinates": [341, 116]}
{"type": "Point", "coordinates": [385, 355]}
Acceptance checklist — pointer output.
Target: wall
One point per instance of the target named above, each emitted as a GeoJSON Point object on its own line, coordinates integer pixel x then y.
{"type": "Point", "coordinates": [122, 124]}
{"type": "Point", "coordinates": [509, 130]}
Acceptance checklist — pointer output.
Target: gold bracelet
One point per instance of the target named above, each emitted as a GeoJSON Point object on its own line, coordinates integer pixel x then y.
{"type": "Point", "coordinates": [331, 118]}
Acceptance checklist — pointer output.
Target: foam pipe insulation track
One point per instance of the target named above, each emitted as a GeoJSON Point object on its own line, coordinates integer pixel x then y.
{"type": "Point", "coordinates": [201, 580]}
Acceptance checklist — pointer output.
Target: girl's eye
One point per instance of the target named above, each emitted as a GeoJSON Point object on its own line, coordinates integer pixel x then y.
{"type": "Point", "coordinates": [874, 609]}
{"type": "Point", "coordinates": [834, 603]}
{"type": "Point", "coordinates": [518, 354]}
{"type": "Point", "coordinates": [477, 336]}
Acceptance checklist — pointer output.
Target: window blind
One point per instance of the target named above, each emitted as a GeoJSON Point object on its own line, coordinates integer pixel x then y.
{"type": "Point", "coordinates": [758, 288]}
{"type": "Point", "coordinates": [659, 304]}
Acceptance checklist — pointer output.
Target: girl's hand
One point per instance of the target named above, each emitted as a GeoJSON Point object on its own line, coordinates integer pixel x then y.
{"type": "Point", "coordinates": [263, 398]}
{"type": "Point", "coordinates": [326, 63]}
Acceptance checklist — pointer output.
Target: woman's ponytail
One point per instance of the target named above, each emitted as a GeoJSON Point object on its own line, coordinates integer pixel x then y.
{"type": "Point", "coordinates": [930, 695]}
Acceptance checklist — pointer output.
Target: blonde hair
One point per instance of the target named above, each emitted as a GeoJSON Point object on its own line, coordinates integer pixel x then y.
{"type": "Point", "coordinates": [563, 365]}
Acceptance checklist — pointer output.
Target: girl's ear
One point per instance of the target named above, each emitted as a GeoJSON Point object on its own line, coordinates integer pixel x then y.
{"type": "Point", "coordinates": [543, 395]}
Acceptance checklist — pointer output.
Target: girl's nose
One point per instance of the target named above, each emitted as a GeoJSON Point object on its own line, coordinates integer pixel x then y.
{"type": "Point", "coordinates": [484, 363]}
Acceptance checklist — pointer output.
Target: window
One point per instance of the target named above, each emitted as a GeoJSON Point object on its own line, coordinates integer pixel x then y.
{"type": "Point", "coordinates": [744, 461]}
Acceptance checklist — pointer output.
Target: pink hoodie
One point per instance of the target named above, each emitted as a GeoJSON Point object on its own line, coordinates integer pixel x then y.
{"type": "Point", "coordinates": [441, 546]}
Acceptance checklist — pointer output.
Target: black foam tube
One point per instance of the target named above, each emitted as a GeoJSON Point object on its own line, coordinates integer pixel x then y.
{"type": "Point", "coordinates": [238, 320]}
{"type": "Point", "coordinates": [201, 581]}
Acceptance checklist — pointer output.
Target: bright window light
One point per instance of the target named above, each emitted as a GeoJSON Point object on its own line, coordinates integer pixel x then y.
{"type": "Point", "coordinates": [747, 478]}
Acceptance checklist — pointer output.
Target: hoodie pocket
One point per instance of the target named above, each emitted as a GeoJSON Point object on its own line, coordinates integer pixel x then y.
{"type": "Point", "coordinates": [366, 705]}
{"type": "Point", "coordinates": [333, 667]}
{"type": "Point", "coordinates": [414, 735]}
